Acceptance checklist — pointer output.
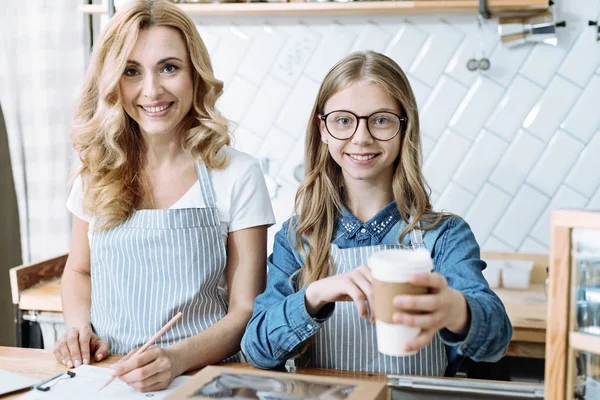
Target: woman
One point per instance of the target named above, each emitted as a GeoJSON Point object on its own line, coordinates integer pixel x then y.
{"type": "Point", "coordinates": [167, 217]}
{"type": "Point", "coordinates": [363, 170]}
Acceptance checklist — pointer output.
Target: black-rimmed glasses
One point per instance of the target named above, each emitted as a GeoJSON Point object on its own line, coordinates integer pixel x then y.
{"type": "Point", "coordinates": [382, 125]}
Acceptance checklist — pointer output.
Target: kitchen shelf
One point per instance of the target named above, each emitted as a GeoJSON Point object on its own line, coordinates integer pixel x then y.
{"type": "Point", "coordinates": [348, 8]}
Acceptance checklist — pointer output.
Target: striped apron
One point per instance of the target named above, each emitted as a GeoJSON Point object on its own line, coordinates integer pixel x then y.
{"type": "Point", "coordinates": [348, 342]}
{"type": "Point", "coordinates": [153, 265]}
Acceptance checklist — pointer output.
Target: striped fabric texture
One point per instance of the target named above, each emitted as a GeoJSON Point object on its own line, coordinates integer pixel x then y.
{"type": "Point", "coordinates": [153, 265]}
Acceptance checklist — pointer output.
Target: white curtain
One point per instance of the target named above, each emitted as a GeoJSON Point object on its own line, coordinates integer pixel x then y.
{"type": "Point", "coordinates": [42, 61]}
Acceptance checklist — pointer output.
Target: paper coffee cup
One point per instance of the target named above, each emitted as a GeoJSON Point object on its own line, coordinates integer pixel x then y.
{"type": "Point", "coordinates": [391, 270]}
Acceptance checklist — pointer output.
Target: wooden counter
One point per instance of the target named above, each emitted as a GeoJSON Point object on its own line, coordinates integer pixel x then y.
{"type": "Point", "coordinates": [41, 364]}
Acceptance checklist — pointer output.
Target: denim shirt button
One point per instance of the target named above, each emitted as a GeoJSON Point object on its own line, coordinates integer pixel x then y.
{"type": "Point", "coordinates": [309, 327]}
{"type": "Point", "coordinates": [363, 230]}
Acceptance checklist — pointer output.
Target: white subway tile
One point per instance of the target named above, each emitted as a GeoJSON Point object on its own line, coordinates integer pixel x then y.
{"type": "Point", "coordinates": [266, 45]}
{"type": "Point", "coordinates": [237, 96]}
{"type": "Point", "coordinates": [454, 199]}
{"type": "Point", "coordinates": [521, 214]}
{"type": "Point", "coordinates": [486, 210]}
{"type": "Point", "coordinates": [210, 37]}
{"type": "Point", "coordinates": [266, 105]}
{"type": "Point", "coordinates": [517, 161]}
{"type": "Point", "coordinates": [435, 53]}
{"type": "Point", "coordinates": [583, 59]}
{"type": "Point", "coordinates": [514, 107]}
{"type": "Point", "coordinates": [475, 108]}
{"type": "Point", "coordinates": [420, 90]}
{"type": "Point", "coordinates": [543, 61]}
{"type": "Point", "coordinates": [585, 174]}
{"type": "Point", "coordinates": [476, 44]}
{"type": "Point", "coordinates": [530, 246]}
{"type": "Point", "coordinates": [480, 160]}
{"type": "Point", "coordinates": [230, 52]}
{"type": "Point", "coordinates": [335, 44]}
{"type": "Point", "coordinates": [293, 159]}
{"type": "Point", "coordinates": [440, 105]}
{"type": "Point", "coordinates": [276, 146]}
{"type": "Point", "coordinates": [505, 62]}
{"type": "Point", "coordinates": [564, 198]}
{"type": "Point", "coordinates": [293, 117]}
{"type": "Point", "coordinates": [405, 45]}
{"type": "Point", "coordinates": [594, 203]}
{"type": "Point", "coordinates": [553, 165]}
{"type": "Point", "coordinates": [294, 56]}
{"type": "Point", "coordinates": [427, 145]}
{"type": "Point", "coordinates": [493, 244]}
{"type": "Point", "coordinates": [546, 115]}
{"type": "Point", "coordinates": [584, 118]}
{"type": "Point", "coordinates": [444, 159]}
{"type": "Point", "coordinates": [246, 141]}
{"type": "Point", "coordinates": [372, 38]}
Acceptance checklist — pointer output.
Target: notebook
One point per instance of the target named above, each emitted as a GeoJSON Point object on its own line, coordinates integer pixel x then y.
{"type": "Point", "coordinates": [86, 382]}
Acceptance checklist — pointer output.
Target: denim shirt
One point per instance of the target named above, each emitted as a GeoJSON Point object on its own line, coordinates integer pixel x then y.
{"type": "Point", "coordinates": [280, 323]}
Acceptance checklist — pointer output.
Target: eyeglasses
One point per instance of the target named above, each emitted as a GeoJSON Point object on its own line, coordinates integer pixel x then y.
{"type": "Point", "coordinates": [382, 125]}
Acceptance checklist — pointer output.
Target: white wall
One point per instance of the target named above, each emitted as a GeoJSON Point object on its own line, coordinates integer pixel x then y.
{"type": "Point", "coordinates": [502, 147]}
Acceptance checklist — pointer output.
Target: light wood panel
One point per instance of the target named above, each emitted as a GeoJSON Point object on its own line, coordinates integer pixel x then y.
{"type": "Point", "coordinates": [27, 276]}
{"type": "Point", "coordinates": [558, 291]}
{"type": "Point", "coordinates": [349, 8]}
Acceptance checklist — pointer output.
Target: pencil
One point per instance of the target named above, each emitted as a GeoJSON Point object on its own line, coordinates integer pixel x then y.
{"type": "Point", "coordinates": [149, 343]}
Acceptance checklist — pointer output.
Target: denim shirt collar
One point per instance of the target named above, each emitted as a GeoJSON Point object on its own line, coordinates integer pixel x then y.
{"type": "Point", "coordinates": [378, 226]}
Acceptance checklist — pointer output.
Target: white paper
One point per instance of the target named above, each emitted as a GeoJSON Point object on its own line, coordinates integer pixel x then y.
{"type": "Point", "coordinates": [88, 379]}
{"type": "Point", "coordinates": [10, 382]}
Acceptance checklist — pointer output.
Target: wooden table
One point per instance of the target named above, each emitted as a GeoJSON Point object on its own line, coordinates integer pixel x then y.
{"type": "Point", "coordinates": [526, 310]}
{"type": "Point", "coordinates": [41, 364]}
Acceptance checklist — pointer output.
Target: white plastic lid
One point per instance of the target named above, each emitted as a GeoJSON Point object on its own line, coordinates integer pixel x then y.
{"type": "Point", "coordinates": [396, 265]}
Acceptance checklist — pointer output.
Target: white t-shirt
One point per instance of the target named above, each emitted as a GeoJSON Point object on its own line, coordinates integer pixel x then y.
{"type": "Point", "coordinates": [240, 194]}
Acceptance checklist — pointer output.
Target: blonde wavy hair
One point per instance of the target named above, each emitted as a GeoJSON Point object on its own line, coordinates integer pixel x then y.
{"type": "Point", "coordinates": [320, 196]}
{"type": "Point", "coordinates": [109, 143]}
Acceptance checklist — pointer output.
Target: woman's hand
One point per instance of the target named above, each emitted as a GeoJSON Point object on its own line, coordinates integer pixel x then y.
{"type": "Point", "coordinates": [442, 307]}
{"type": "Point", "coordinates": [78, 345]}
{"type": "Point", "coordinates": [152, 370]}
{"type": "Point", "coordinates": [355, 286]}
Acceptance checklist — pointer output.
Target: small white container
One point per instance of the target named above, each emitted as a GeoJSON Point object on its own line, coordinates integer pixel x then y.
{"type": "Point", "coordinates": [492, 272]}
{"type": "Point", "coordinates": [516, 274]}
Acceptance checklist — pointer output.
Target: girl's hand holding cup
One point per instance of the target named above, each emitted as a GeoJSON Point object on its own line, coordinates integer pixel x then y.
{"type": "Point", "coordinates": [441, 307]}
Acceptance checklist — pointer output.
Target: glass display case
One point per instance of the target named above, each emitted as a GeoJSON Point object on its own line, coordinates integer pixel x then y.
{"type": "Point", "coordinates": [573, 334]}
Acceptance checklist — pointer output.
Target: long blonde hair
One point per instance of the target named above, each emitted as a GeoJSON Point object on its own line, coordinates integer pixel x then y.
{"type": "Point", "coordinates": [109, 143]}
{"type": "Point", "coordinates": [319, 198]}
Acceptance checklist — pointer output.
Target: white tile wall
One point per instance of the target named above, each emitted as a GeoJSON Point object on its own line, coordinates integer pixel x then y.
{"type": "Point", "coordinates": [454, 199]}
{"type": "Point", "coordinates": [435, 53]}
{"type": "Point", "coordinates": [517, 161]}
{"type": "Point", "coordinates": [584, 118]}
{"type": "Point", "coordinates": [501, 147]}
{"type": "Point", "coordinates": [564, 198]}
{"type": "Point", "coordinates": [555, 162]}
{"type": "Point", "coordinates": [441, 104]}
{"type": "Point", "coordinates": [583, 59]}
{"type": "Point", "coordinates": [405, 45]}
{"type": "Point", "coordinates": [486, 210]}
{"type": "Point", "coordinates": [585, 174]}
{"type": "Point", "coordinates": [479, 162]}
{"type": "Point", "coordinates": [523, 212]}
{"type": "Point", "coordinates": [476, 107]}
{"type": "Point", "coordinates": [444, 159]}
{"type": "Point", "coordinates": [545, 117]}
{"type": "Point", "coordinates": [511, 111]}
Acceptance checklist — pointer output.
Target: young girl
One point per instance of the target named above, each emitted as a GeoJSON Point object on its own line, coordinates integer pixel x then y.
{"type": "Point", "coordinates": [167, 217]}
{"type": "Point", "coordinates": [364, 191]}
